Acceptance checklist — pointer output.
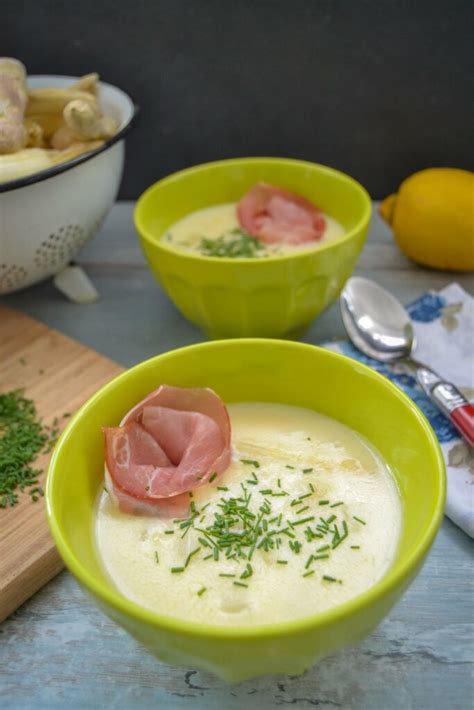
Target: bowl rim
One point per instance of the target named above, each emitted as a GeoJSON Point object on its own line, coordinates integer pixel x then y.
{"type": "Point", "coordinates": [158, 243]}
{"type": "Point", "coordinates": [47, 173]}
{"type": "Point", "coordinates": [382, 588]}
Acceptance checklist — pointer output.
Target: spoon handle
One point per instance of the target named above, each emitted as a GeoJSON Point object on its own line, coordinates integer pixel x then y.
{"type": "Point", "coordinates": [450, 401]}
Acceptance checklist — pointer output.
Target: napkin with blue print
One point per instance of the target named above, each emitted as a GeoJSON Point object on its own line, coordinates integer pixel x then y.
{"type": "Point", "coordinates": [444, 331]}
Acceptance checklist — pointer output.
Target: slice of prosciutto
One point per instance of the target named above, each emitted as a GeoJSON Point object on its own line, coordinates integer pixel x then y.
{"type": "Point", "coordinates": [170, 443]}
{"type": "Point", "coordinates": [277, 216]}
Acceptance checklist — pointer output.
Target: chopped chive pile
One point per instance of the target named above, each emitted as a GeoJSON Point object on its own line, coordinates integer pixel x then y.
{"type": "Point", "coordinates": [249, 523]}
{"type": "Point", "coordinates": [23, 437]}
{"type": "Point", "coordinates": [232, 244]}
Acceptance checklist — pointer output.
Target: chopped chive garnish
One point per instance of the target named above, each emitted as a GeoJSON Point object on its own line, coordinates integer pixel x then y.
{"type": "Point", "coordinates": [250, 462]}
{"type": "Point", "coordinates": [279, 483]}
{"type": "Point", "coordinates": [290, 467]}
{"type": "Point", "coordinates": [306, 495]}
{"type": "Point", "coordinates": [330, 519]}
{"type": "Point", "coordinates": [355, 547]}
{"type": "Point", "coordinates": [295, 546]}
{"type": "Point", "coordinates": [223, 574]}
{"type": "Point", "coordinates": [308, 561]}
{"type": "Point", "coordinates": [311, 487]}
{"type": "Point", "coordinates": [335, 505]}
{"type": "Point", "coordinates": [157, 558]}
{"type": "Point", "coordinates": [191, 554]}
{"type": "Point", "coordinates": [176, 570]}
{"type": "Point", "coordinates": [300, 522]}
{"type": "Point", "coordinates": [240, 584]}
{"type": "Point", "coordinates": [208, 557]}
{"type": "Point", "coordinates": [323, 502]}
{"type": "Point", "coordinates": [248, 571]}
{"type": "Point", "coordinates": [282, 562]}
{"type": "Point", "coordinates": [308, 574]}
{"type": "Point", "coordinates": [320, 557]}
{"type": "Point", "coordinates": [169, 532]}
{"type": "Point", "coordinates": [213, 477]}
{"type": "Point", "coordinates": [201, 591]}
{"type": "Point", "coordinates": [222, 488]}
{"type": "Point", "coordinates": [345, 528]}
{"type": "Point", "coordinates": [301, 510]}
{"type": "Point", "coordinates": [359, 520]}
{"type": "Point", "coordinates": [307, 470]}
{"type": "Point", "coordinates": [324, 547]}
{"type": "Point", "coordinates": [327, 578]}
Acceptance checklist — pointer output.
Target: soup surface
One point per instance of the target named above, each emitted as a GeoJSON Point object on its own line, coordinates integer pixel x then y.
{"type": "Point", "coordinates": [306, 516]}
{"type": "Point", "coordinates": [215, 231]}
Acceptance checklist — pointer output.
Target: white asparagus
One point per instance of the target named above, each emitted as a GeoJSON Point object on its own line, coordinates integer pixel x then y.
{"type": "Point", "coordinates": [13, 99]}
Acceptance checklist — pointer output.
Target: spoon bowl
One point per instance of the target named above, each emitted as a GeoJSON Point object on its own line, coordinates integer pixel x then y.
{"type": "Point", "coordinates": [376, 321]}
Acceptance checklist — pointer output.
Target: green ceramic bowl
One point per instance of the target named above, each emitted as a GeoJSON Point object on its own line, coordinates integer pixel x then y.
{"type": "Point", "coordinates": [253, 370]}
{"type": "Point", "coordinates": [274, 297]}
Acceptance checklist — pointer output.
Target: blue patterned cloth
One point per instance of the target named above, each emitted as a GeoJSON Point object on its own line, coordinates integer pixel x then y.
{"type": "Point", "coordinates": [444, 327]}
{"type": "Point", "coordinates": [443, 428]}
{"type": "Point", "coordinates": [427, 308]}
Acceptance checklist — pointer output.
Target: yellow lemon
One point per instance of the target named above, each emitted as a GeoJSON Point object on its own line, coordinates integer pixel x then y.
{"type": "Point", "coordinates": [432, 217]}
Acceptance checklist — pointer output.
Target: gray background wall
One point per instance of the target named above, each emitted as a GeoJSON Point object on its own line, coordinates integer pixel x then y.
{"type": "Point", "coordinates": [378, 89]}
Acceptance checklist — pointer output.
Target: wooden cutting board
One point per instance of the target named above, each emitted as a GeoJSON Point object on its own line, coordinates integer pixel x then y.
{"type": "Point", "coordinates": [59, 374]}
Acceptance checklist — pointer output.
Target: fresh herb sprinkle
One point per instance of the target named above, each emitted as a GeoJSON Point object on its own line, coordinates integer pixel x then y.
{"type": "Point", "coordinates": [250, 462]}
{"type": "Point", "coordinates": [23, 437]}
{"type": "Point", "coordinates": [327, 578]}
{"type": "Point", "coordinates": [232, 244]}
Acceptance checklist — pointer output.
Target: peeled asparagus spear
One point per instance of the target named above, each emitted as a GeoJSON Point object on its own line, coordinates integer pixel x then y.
{"type": "Point", "coordinates": [88, 83]}
{"type": "Point", "coordinates": [53, 100]}
{"type": "Point", "coordinates": [12, 105]}
{"type": "Point", "coordinates": [32, 160]}
{"type": "Point", "coordinates": [83, 122]}
{"type": "Point", "coordinates": [34, 134]}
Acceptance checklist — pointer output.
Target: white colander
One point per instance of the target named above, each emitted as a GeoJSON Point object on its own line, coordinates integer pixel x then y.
{"type": "Point", "coordinates": [46, 218]}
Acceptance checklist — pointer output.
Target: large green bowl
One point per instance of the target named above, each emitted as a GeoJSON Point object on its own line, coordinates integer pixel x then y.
{"type": "Point", "coordinates": [253, 370]}
{"type": "Point", "coordinates": [274, 297]}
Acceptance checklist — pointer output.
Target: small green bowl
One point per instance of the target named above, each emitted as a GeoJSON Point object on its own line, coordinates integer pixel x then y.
{"type": "Point", "coordinates": [274, 297]}
{"type": "Point", "coordinates": [253, 370]}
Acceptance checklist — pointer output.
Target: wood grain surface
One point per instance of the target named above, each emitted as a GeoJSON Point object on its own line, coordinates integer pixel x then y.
{"type": "Point", "coordinates": [59, 374]}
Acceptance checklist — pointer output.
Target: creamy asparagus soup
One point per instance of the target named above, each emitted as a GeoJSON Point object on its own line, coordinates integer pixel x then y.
{"type": "Point", "coordinates": [305, 516]}
{"type": "Point", "coordinates": [215, 231]}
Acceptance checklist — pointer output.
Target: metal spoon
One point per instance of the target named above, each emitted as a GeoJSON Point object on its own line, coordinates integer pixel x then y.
{"type": "Point", "coordinates": [379, 326]}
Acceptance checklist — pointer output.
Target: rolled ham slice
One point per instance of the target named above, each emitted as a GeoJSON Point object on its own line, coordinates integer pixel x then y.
{"type": "Point", "coordinates": [277, 216]}
{"type": "Point", "coordinates": [170, 443]}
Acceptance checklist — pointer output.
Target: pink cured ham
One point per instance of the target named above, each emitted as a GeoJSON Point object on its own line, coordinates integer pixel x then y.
{"type": "Point", "coordinates": [170, 443]}
{"type": "Point", "coordinates": [277, 216]}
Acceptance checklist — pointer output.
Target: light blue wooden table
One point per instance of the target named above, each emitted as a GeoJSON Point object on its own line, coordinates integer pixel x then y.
{"type": "Point", "coordinates": [58, 651]}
